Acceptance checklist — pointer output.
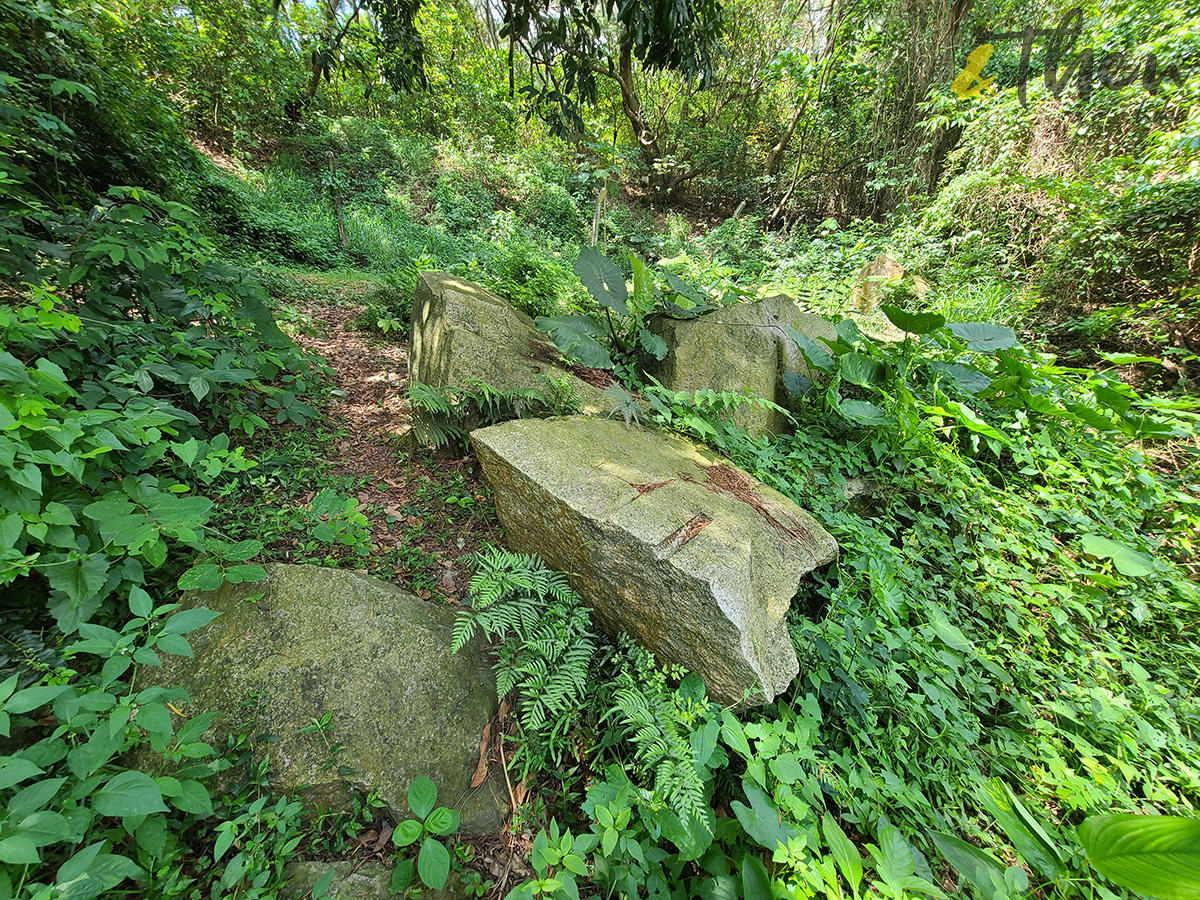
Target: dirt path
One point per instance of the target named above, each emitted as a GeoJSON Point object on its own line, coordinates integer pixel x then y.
{"type": "Point", "coordinates": [425, 511]}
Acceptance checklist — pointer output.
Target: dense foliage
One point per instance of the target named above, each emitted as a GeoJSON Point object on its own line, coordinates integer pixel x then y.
{"type": "Point", "coordinates": [1002, 661]}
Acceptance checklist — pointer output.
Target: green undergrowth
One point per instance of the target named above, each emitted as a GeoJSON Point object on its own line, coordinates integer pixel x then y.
{"type": "Point", "coordinates": [1004, 647]}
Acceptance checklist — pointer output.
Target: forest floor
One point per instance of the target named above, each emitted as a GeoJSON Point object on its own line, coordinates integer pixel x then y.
{"type": "Point", "coordinates": [413, 499]}
{"type": "Point", "coordinates": [405, 495]}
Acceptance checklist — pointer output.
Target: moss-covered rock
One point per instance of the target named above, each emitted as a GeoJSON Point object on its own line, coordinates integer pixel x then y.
{"type": "Point", "coordinates": [739, 347]}
{"type": "Point", "coordinates": [461, 332]}
{"type": "Point", "coordinates": [370, 880]}
{"type": "Point", "coordinates": [310, 641]}
{"type": "Point", "coordinates": [687, 554]}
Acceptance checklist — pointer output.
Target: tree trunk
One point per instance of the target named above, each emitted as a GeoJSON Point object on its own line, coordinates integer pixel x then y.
{"type": "Point", "coordinates": [337, 204]}
{"type": "Point", "coordinates": [632, 107]}
{"type": "Point", "coordinates": [776, 152]}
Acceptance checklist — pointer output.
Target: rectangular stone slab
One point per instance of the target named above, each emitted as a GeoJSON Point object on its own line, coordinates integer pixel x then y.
{"type": "Point", "coordinates": [666, 542]}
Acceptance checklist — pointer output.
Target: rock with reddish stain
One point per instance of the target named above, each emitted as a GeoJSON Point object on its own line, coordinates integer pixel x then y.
{"type": "Point", "coordinates": [668, 543]}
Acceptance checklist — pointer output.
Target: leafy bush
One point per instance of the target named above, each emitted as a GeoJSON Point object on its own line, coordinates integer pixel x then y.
{"type": "Point", "coordinates": [551, 210]}
{"type": "Point", "coordinates": [462, 206]}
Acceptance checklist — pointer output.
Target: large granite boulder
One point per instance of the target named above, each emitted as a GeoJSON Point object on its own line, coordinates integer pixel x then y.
{"type": "Point", "coordinates": [688, 555]}
{"type": "Point", "coordinates": [374, 657]}
{"type": "Point", "coordinates": [461, 331]}
{"type": "Point", "coordinates": [739, 346]}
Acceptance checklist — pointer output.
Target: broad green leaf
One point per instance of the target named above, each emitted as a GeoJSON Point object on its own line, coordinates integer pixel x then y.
{"type": "Point", "coordinates": [188, 620]}
{"type": "Point", "coordinates": [733, 734]}
{"type": "Point", "coordinates": [983, 337]}
{"type": "Point", "coordinates": [1129, 359]}
{"type": "Point", "coordinates": [913, 323]}
{"type": "Point", "coordinates": [760, 820]}
{"type": "Point", "coordinates": [58, 514]}
{"type": "Point", "coordinates": [967, 418]}
{"type": "Point", "coordinates": [245, 574]}
{"type": "Point", "coordinates": [242, 551]}
{"type": "Point", "coordinates": [604, 281]}
{"type": "Point", "coordinates": [202, 577]}
{"type": "Point", "coordinates": [77, 865]}
{"type": "Point", "coordinates": [1034, 845]}
{"type": "Point", "coordinates": [31, 799]}
{"type": "Point", "coordinates": [402, 875]}
{"type": "Point", "coordinates": [422, 795]}
{"type": "Point", "coordinates": [18, 849]}
{"type": "Point", "coordinates": [694, 296]}
{"type": "Point", "coordinates": [949, 633]}
{"type": "Point", "coordinates": [576, 342]}
{"type": "Point", "coordinates": [14, 770]}
{"type": "Point", "coordinates": [433, 863]}
{"type": "Point", "coordinates": [848, 859]}
{"type": "Point", "coordinates": [816, 355]}
{"type": "Point", "coordinates": [111, 506]}
{"type": "Point", "coordinates": [320, 890]}
{"type": "Point", "coordinates": [28, 700]}
{"type": "Point", "coordinates": [786, 767]}
{"type": "Point", "coordinates": [443, 821]}
{"type": "Point", "coordinates": [796, 385]}
{"type": "Point", "coordinates": [652, 343]}
{"type": "Point", "coordinates": [975, 865]}
{"type": "Point", "coordinates": [756, 882]}
{"type": "Point", "coordinates": [643, 287]}
{"type": "Point", "coordinates": [12, 369]}
{"type": "Point", "coordinates": [130, 793]}
{"type": "Point", "coordinates": [154, 718]}
{"type": "Point", "coordinates": [152, 836]}
{"type": "Point", "coordinates": [140, 603]}
{"type": "Point", "coordinates": [44, 827]}
{"type": "Point", "coordinates": [199, 387]}
{"type": "Point", "coordinates": [80, 579]}
{"type": "Point", "coordinates": [860, 369]}
{"type": "Point", "coordinates": [863, 413]}
{"type": "Point", "coordinates": [1155, 855]}
{"type": "Point", "coordinates": [176, 513]}
{"type": "Point", "coordinates": [970, 380]}
{"type": "Point", "coordinates": [692, 837]}
{"type": "Point", "coordinates": [104, 872]}
{"type": "Point", "coordinates": [1126, 560]}
{"type": "Point", "coordinates": [849, 333]}
{"type": "Point", "coordinates": [174, 644]}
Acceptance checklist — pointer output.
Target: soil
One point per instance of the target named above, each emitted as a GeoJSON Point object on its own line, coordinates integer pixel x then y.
{"type": "Point", "coordinates": [371, 377]}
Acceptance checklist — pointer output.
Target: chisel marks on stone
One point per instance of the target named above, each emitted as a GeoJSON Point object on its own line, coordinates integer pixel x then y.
{"type": "Point", "coordinates": [677, 539]}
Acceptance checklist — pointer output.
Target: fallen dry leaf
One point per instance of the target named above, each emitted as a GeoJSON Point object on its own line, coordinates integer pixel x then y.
{"type": "Point", "coordinates": [384, 837]}
{"type": "Point", "coordinates": [424, 593]}
{"type": "Point", "coordinates": [482, 769]}
{"type": "Point", "coordinates": [519, 792]}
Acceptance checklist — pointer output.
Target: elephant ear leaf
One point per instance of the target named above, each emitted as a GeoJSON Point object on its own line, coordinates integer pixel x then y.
{"type": "Point", "coordinates": [604, 281]}
{"type": "Point", "coordinates": [1155, 855]}
{"type": "Point", "coordinates": [575, 336]}
{"type": "Point", "coordinates": [983, 337]}
{"type": "Point", "coordinates": [913, 323]}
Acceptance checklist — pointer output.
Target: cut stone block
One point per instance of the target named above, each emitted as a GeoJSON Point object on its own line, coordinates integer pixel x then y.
{"type": "Point", "coordinates": [690, 556]}
{"type": "Point", "coordinates": [742, 346]}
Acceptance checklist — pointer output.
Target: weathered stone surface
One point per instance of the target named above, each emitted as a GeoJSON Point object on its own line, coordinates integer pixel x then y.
{"type": "Point", "coordinates": [740, 346]}
{"type": "Point", "coordinates": [461, 331]}
{"type": "Point", "coordinates": [370, 880]}
{"type": "Point", "coordinates": [688, 555]}
{"type": "Point", "coordinates": [883, 269]}
{"type": "Point", "coordinates": [375, 657]}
